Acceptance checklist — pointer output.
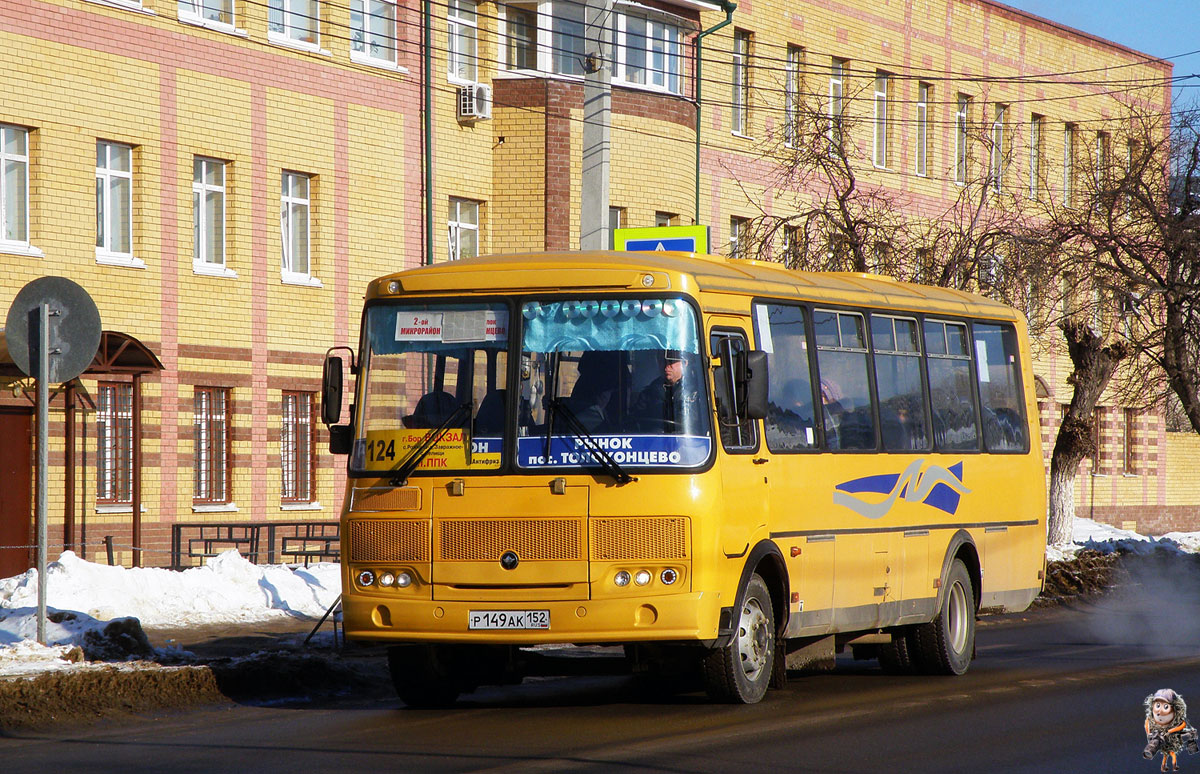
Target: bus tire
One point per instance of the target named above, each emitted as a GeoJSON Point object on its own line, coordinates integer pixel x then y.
{"type": "Point", "coordinates": [897, 656]}
{"type": "Point", "coordinates": [740, 672]}
{"type": "Point", "coordinates": [423, 676]}
{"type": "Point", "coordinates": [945, 644]}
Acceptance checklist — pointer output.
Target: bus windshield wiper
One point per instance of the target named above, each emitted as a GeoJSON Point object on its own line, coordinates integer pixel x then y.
{"type": "Point", "coordinates": [406, 466]}
{"type": "Point", "coordinates": [598, 452]}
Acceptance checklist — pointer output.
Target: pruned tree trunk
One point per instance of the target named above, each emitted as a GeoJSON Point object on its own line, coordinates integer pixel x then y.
{"type": "Point", "coordinates": [1094, 363]}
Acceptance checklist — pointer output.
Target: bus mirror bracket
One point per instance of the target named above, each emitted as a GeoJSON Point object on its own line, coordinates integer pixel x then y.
{"type": "Point", "coordinates": [340, 437]}
{"type": "Point", "coordinates": [752, 373]}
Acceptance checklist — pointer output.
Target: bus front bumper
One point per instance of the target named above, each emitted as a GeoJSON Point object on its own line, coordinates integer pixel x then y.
{"type": "Point", "coordinates": [677, 617]}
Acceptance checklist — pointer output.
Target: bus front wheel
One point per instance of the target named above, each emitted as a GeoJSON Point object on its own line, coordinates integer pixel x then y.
{"type": "Point", "coordinates": [945, 644]}
{"type": "Point", "coordinates": [740, 671]}
{"type": "Point", "coordinates": [425, 676]}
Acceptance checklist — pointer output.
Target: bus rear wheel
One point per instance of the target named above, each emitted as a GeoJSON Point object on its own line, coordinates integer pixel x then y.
{"type": "Point", "coordinates": [945, 644]}
{"type": "Point", "coordinates": [897, 656]}
{"type": "Point", "coordinates": [740, 672]}
{"type": "Point", "coordinates": [425, 676]}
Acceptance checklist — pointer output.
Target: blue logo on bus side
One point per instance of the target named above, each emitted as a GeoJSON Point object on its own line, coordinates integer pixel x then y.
{"type": "Point", "coordinates": [939, 487]}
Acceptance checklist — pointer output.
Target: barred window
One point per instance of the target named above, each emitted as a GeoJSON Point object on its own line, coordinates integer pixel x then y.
{"type": "Point", "coordinates": [296, 447]}
{"type": "Point", "coordinates": [114, 444]}
{"type": "Point", "coordinates": [211, 419]}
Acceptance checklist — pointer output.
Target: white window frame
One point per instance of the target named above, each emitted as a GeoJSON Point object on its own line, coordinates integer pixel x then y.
{"type": "Point", "coordinates": [287, 200]}
{"type": "Point", "coordinates": [15, 246]}
{"type": "Point", "coordinates": [105, 176]}
{"type": "Point", "coordinates": [737, 233]}
{"type": "Point", "coordinates": [287, 35]}
{"type": "Point", "coordinates": [740, 110]}
{"type": "Point", "coordinates": [793, 79]}
{"type": "Point", "coordinates": [456, 225]}
{"type": "Point", "coordinates": [534, 41]}
{"type": "Point", "coordinates": [921, 158]}
{"type": "Point", "coordinates": [1068, 164]}
{"type": "Point", "coordinates": [662, 41]}
{"type": "Point", "coordinates": [1036, 126]}
{"type": "Point", "coordinates": [879, 153]}
{"type": "Point", "coordinates": [195, 12]}
{"type": "Point", "coordinates": [961, 122]}
{"type": "Point", "coordinates": [837, 87]}
{"type": "Point", "coordinates": [997, 151]}
{"type": "Point", "coordinates": [362, 47]}
{"type": "Point", "coordinates": [128, 5]}
{"type": "Point", "coordinates": [200, 225]}
{"type": "Point", "coordinates": [462, 41]}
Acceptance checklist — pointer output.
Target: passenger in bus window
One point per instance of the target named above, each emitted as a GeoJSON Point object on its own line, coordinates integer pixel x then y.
{"type": "Point", "coordinates": [591, 399]}
{"type": "Point", "coordinates": [670, 403]}
{"type": "Point", "coordinates": [831, 403]}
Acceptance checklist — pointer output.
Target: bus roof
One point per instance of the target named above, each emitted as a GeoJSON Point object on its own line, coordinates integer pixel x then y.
{"type": "Point", "coordinates": [695, 273]}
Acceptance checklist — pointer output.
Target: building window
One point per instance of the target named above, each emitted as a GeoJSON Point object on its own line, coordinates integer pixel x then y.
{"type": "Point", "coordinates": [566, 37]}
{"type": "Point", "coordinates": [1097, 438]}
{"type": "Point", "coordinates": [373, 30]}
{"type": "Point", "coordinates": [793, 244]}
{"type": "Point", "coordinates": [792, 100]}
{"type": "Point", "coordinates": [296, 448]}
{"type": "Point", "coordinates": [837, 74]}
{"type": "Point", "coordinates": [114, 444]}
{"type": "Point", "coordinates": [1036, 123]}
{"type": "Point", "coordinates": [647, 51]}
{"type": "Point", "coordinates": [211, 468]}
{"type": "Point", "coordinates": [14, 186]}
{"type": "Point", "coordinates": [616, 218]}
{"type": "Point", "coordinates": [737, 236]}
{"type": "Point", "coordinates": [463, 227]}
{"type": "Point", "coordinates": [1129, 460]}
{"type": "Point", "coordinates": [297, 21]}
{"type": "Point", "coordinates": [998, 162]}
{"type": "Point", "coordinates": [114, 201]}
{"type": "Point", "coordinates": [219, 12]}
{"type": "Point", "coordinates": [922, 154]}
{"type": "Point", "coordinates": [1068, 164]}
{"type": "Point", "coordinates": [961, 123]}
{"type": "Point", "coordinates": [520, 35]}
{"type": "Point", "coordinates": [295, 219]}
{"type": "Point", "coordinates": [881, 119]}
{"type": "Point", "coordinates": [462, 29]}
{"type": "Point", "coordinates": [741, 81]}
{"type": "Point", "coordinates": [1103, 162]}
{"type": "Point", "coordinates": [666, 219]}
{"type": "Point", "coordinates": [208, 213]}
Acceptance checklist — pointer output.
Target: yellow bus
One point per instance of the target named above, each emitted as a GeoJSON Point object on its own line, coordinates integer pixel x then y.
{"type": "Point", "coordinates": [719, 464]}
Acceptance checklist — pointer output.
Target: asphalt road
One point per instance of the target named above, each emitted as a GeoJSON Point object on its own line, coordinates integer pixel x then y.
{"type": "Point", "coordinates": [1049, 692]}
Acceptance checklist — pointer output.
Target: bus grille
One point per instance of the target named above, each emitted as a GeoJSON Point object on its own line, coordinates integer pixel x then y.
{"type": "Point", "coordinates": [474, 540]}
{"type": "Point", "coordinates": [380, 499]}
{"type": "Point", "coordinates": [627, 539]}
{"type": "Point", "coordinates": [389, 541]}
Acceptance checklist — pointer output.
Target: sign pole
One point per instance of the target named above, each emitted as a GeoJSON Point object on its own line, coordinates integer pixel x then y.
{"type": "Point", "coordinates": [43, 456]}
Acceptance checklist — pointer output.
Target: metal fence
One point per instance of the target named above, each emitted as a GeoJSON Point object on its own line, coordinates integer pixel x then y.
{"type": "Point", "coordinates": [299, 542]}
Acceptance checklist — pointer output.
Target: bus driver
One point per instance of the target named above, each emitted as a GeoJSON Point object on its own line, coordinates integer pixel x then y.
{"type": "Point", "coordinates": [671, 403]}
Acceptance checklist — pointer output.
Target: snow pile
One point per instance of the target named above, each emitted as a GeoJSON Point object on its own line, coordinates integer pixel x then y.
{"type": "Point", "coordinates": [87, 601]}
{"type": "Point", "coordinates": [1107, 539]}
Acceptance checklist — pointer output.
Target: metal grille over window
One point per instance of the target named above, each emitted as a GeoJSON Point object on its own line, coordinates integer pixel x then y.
{"type": "Point", "coordinates": [296, 447]}
{"type": "Point", "coordinates": [212, 445]}
{"type": "Point", "coordinates": [114, 444]}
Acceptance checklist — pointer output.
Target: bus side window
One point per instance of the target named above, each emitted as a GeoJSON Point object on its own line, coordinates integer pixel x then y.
{"type": "Point", "coordinates": [845, 386]}
{"type": "Point", "coordinates": [737, 433]}
{"type": "Point", "coordinates": [949, 362]}
{"type": "Point", "coordinates": [1000, 396]}
{"type": "Point", "coordinates": [782, 333]}
{"type": "Point", "coordinates": [898, 384]}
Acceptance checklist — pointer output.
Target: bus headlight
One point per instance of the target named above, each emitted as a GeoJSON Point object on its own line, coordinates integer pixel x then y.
{"type": "Point", "coordinates": [386, 579]}
{"type": "Point", "coordinates": [621, 579]}
{"type": "Point", "coordinates": [403, 580]}
{"type": "Point", "coordinates": [366, 578]}
{"type": "Point", "coordinates": [642, 577]}
{"type": "Point", "coordinates": [668, 577]}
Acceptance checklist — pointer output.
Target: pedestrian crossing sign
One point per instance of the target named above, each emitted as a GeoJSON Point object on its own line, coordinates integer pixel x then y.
{"type": "Point", "coordinates": [687, 239]}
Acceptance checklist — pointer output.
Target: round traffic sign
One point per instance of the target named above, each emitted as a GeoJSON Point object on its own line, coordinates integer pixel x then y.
{"type": "Point", "coordinates": [74, 327]}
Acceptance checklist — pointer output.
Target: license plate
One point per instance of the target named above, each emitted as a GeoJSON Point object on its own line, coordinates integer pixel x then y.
{"type": "Point", "coordinates": [508, 619]}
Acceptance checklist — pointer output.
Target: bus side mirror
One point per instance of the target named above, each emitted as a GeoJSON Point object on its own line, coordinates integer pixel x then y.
{"type": "Point", "coordinates": [331, 391]}
{"type": "Point", "coordinates": [752, 373]}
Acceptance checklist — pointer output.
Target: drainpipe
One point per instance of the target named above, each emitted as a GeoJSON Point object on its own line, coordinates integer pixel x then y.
{"type": "Point", "coordinates": [729, 8]}
{"type": "Point", "coordinates": [427, 127]}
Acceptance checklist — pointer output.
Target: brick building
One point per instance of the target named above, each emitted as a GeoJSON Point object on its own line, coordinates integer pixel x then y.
{"type": "Point", "coordinates": [295, 125]}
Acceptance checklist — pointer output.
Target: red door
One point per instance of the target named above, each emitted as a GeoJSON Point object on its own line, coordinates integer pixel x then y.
{"type": "Point", "coordinates": [16, 491]}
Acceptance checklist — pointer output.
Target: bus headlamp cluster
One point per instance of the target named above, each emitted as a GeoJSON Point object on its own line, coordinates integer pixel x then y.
{"type": "Point", "coordinates": [385, 579]}
{"type": "Point", "coordinates": [667, 577]}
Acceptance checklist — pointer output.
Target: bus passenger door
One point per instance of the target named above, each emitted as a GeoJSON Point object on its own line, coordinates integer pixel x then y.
{"type": "Point", "coordinates": [744, 474]}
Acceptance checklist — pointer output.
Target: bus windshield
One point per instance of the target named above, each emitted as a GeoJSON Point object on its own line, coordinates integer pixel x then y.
{"type": "Point", "coordinates": [621, 374]}
{"type": "Point", "coordinates": [601, 381]}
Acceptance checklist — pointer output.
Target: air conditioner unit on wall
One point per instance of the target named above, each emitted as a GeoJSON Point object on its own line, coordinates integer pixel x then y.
{"type": "Point", "coordinates": [474, 102]}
